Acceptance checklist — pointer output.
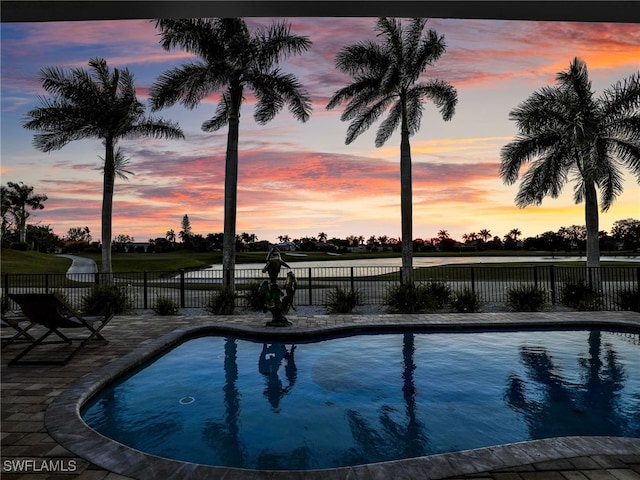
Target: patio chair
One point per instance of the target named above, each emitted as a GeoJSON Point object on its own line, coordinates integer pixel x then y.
{"type": "Point", "coordinates": [14, 321]}
{"type": "Point", "coordinates": [55, 314]}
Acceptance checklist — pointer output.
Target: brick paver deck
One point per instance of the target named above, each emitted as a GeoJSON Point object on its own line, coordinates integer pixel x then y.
{"type": "Point", "coordinates": [36, 401]}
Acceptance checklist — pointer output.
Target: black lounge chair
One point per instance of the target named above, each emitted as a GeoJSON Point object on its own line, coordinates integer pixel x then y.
{"type": "Point", "coordinates": [15, 321]}
{"type": "Point", "coordinates": [54, 313]}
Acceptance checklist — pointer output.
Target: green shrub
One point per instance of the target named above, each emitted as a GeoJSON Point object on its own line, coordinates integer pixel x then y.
{"type": "Point", "coordinates": [222, 302]}
{"type": "Point", "coordinates": [409, 298]}
{"type": "Point", "coordinates": [526, 298]}
{"type": "Point", "coordinates": [341, 300]}
{"type": "Point", "coordinates": [466, 301]}
{"type": "Point", "coordinates": [165, 306]}
{"type": "Point", "coordinates": [580, 295]}
{"type": "Point", "coordinates": [439, 292]}
{"type": "Point", "coordinates": [255, 300]}
{"type": "Point", "coordinates": [629, 299]}
{"type": "Point", "coordinates": [106, 298]}
{"type": "Point", "coordinates": [20, 246]}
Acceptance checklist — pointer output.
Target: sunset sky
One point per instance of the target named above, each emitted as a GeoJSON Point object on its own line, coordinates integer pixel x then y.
{"type": "Point", "coordinates": [299, 179]}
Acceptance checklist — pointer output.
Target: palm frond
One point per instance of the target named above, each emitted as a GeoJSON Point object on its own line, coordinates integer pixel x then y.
{"type": "Point", "coordinates": [221, 117]}
{"type": "Point", "coordinates": [365, 118]}
{"type": "Point", "coordinates": [389, 125]}
{"type": "Point", "coordinates": [119, 165]}
{"type": "Point", "coordinates": [524, 149]}
{"type": "Point", "coordinates": [276, 89]}
{"type": "Point", "coordinates": [155, 128]}
{"type": "Point", "coordinates": [414, 110]}
{"type": "Point", "coordinates": [362, 58]}
{"type": "Point", "coordinates": [187, 84]}
{"type": "Point", "coordinates": [362, 101]}
{"type": "Point", "coordinates": [546, 176]}
{"type": "Point", "coordinates": [627, 153]}
{"type": "Point", "coordinates": [197, 36]}
{"type": "Point", "coordinates": [622, 98]}
{"type": "Point", "coordinates": [276, 43]}
{"type": "Point", "coordinates": [353, 90]}
{"type": "Point", "coordinates": [442, 94]}
{"type": "Point", "coordinates": [391, 30]}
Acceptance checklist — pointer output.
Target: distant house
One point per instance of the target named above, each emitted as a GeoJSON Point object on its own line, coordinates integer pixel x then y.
{"type": "Point", "coordinates": [142, 247]}
{"type": "Point", "coordinates": [286, 246]}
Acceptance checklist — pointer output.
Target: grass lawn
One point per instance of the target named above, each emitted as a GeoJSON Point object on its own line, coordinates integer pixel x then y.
{"type": "Point", "coordinates": [17, 262]}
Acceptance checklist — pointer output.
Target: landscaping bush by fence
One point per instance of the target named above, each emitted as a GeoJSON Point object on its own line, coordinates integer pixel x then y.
{"type": "Point", "coordinates": [314, 285]}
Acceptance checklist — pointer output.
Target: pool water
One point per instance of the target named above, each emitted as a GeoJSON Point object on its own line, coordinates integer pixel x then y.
{"type": "Point", "coordinates": [221, 400]}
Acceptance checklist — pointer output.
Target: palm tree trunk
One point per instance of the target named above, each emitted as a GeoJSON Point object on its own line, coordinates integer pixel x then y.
{"type": "Point", "coordinates": [107, 208]}
{"type": "Point", "coordinates": [231, 190]}
{"type": "Point", "coordinates": [591, 219]}
{"type": "Point", "coordinates": [406, 200]}
{"type": "Point", "coordinates": [22, 227]}
{"type": "Point", "coordinates": [593, 242]}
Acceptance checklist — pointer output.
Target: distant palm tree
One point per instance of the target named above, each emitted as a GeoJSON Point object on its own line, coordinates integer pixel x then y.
{"type": "Point", "coordinates": [514, 233]}
{"type": "Point", "coordinates": [231, 59]}
{"type": "Point", "coordinates": [385, 77]}
{"type": "Point", "coordinates": [566, 132]}
{"type": "Point", "coordinates": [98, 103]}
{"type": "Point", "coordinates": [322, 237]}
{"type": "Point", "coordinates": [443, 234]}
{"type": "Point", "coordinates": [485, 234]}
{"type": "Point", "coordinates": [16, 199]}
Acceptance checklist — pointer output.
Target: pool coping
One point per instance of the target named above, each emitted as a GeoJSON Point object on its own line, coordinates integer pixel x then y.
{"type": "Point", "coordinates": [65, 425]}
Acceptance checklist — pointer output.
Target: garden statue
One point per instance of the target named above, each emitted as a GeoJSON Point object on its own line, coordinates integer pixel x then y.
{"type": "Point", "coordinates": [274, 301]}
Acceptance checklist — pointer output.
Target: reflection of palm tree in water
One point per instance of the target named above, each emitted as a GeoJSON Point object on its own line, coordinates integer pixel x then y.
{"type": "Point", "coordinates": [395, 440]}
{"type": "Point", "coordinates": [224, 437]}
{"type": "Point", "coordinates": [269, 363]}
{"type": "Point", "coordinates": [565, 408]}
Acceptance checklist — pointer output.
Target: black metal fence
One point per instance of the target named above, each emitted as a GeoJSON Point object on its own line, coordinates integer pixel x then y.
{"type": "Point", "coordinates": [193, 289]}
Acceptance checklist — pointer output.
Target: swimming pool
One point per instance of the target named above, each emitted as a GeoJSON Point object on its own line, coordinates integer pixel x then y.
{"type": "Point", "coordinates": [225, 400]}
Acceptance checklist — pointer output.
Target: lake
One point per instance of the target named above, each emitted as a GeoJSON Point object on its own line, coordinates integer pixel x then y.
{"type": "Point", "coordinates": [335, 261]}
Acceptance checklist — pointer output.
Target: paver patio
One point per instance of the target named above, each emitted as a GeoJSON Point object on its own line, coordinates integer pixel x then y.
{"type": "Point", "coordinates": [29, 451]}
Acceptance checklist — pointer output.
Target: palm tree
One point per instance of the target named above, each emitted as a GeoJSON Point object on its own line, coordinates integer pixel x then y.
{"type": "Point", "coordinates": [485, 234]}
{"type": "Point", "coordinates": [514, 233]}
{"type": "Point", "coordinates": [385, 77]}
{"type": "Point", "coordinates": [231, 59]}
{"type": "Point", "coordinates": [16, 198]}
{"type": "Point", "coordinates": [97, 103]}
{"type": "Point", "coordinates": [566, 132]}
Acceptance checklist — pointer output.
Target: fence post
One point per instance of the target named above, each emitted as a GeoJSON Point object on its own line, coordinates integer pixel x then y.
{"type": "Point", "coordinates": [46, 283]}
{"type": "Point", "coordinates": [97, 278]}
{"type": "Point", "coordinates": [6, 283]}
{"type": "Point", "coordinates": [552, 281]}
{"type": "Point", "coordinates": [353, 285]}
{"type": "Point", "coordinates": [145, 294]}
{"type": "Point", "coordinates": [182, 301]}
{"type": "Point", "coordinates": [400, 274]}
{"type": "Point", "coordinates": [310, 289]}
{"type": "Point", "coordinates": [535, 275]}
{"type": "Point", "coordinates": [473, 279]}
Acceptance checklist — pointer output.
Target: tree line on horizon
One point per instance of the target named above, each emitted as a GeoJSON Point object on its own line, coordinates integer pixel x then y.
{"type": "Point", "coordinates": [17, 234]}
{"type": "Point", "coordinates": [565, 132]}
